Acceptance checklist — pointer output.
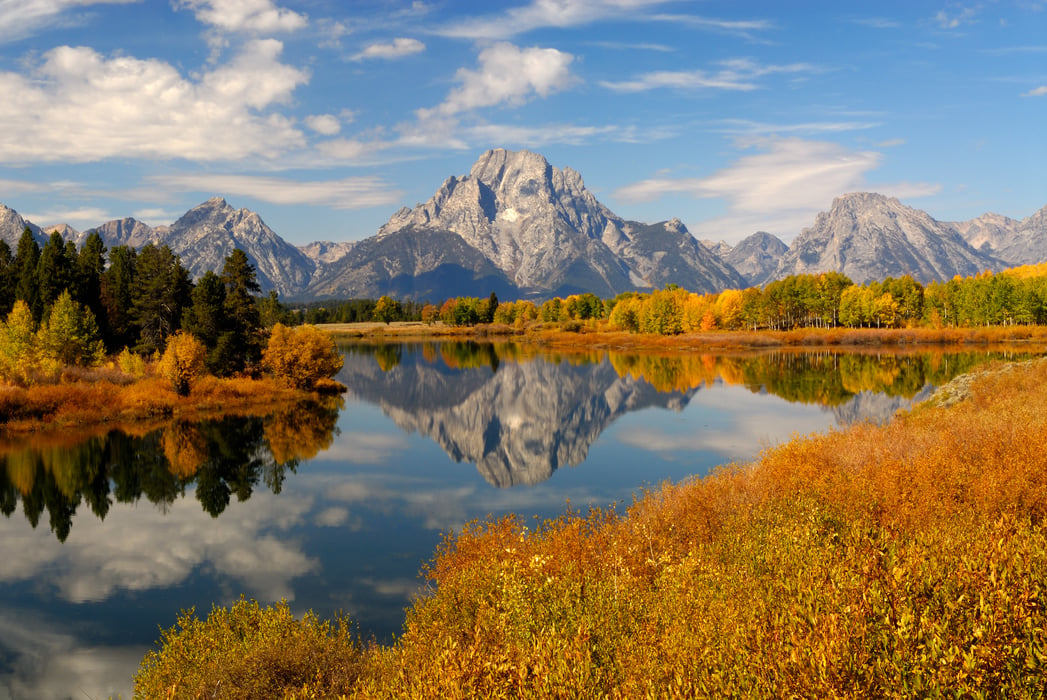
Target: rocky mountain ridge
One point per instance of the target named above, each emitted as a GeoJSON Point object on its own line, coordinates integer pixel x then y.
{"type": "Point", "coordinates": [520, 227]}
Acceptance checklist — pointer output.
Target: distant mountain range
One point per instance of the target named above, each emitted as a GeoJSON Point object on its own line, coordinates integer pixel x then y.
{"type": "Point", "coordinates": [522, 228]}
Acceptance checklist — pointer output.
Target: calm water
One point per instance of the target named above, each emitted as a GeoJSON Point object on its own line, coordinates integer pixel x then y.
{"type": "Point", "coordinates": [334, 507]}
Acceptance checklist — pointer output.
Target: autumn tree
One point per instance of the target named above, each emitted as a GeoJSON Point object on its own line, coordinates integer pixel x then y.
{"type": "Point", "coordinates": [301, 356]}
{"type": "Point", "coordinates": [19, 358]}
{"type": "Point", "coordinates": [182, 362]}
{"type": "Point", "coordinates": [69, 336]}
{"type": "Point", "coordinates": [386, 310]}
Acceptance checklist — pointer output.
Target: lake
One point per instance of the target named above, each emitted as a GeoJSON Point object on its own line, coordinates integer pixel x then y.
{"type": "Point", "coordinates": [335, 505]}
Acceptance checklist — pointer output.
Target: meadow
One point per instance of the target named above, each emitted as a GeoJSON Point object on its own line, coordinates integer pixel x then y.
{"type": "Point", "coordinates": [903, 560]}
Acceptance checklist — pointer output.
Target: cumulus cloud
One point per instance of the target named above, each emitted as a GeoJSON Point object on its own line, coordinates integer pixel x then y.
{"type": "Point", "coordinates": [736, 74]}
{"type": "Point", "coordinates": [147, 552]}
{"type": "Point", "coordinates": [251, 16]}
{"type": "Point", "coordinates": [779, 189]}
{"type": "Point", "coordinates": [398, 48]}
{"type": "Point", "coordinates": [346, 193]}
{"type": "Point", "coordinates": [1036, 92]}
{"type": "Point", "coordinates": [955, 19]}
{"type": "Point", "coordinates": [77, 218]}
{"type": "Point", "coordinates": [21, 18]}
{"type": "Point", "coordinates": [326, 124]}
{"type": "Point", "coordinates": [77, 105]}
{"type": "Point", "coordinates": [507, 75]}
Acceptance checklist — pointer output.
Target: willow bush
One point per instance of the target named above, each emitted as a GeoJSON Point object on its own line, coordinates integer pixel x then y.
{"type": "Point", "coordinates": [906, 560]}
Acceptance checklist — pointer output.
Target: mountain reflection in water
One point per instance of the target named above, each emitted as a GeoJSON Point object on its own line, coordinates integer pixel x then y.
{"type": "Point", "coordinates": [519, 420]}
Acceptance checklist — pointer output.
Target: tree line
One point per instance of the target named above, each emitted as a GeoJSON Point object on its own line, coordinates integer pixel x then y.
{"type": "Point", "coordinates": [70, 306]}
{"type": "Point", "coordinates": [826, 300]}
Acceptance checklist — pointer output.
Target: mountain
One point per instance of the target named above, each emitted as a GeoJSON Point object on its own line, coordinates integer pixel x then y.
{"type": "Point", "coordinates": [1015, 242]}
{"type": "Point", "coordinates": [757, 257]}
{"type": "Point", "coordinates": [12, 225]}
{"type": "Point", "coordinates": [131, 232]}
{"type": "Point", "coordinates": [868, 236]}
{"type": "Point", "coordinates": [205, 235]}
{"type": "Point", "coordinates": [518, 422]}
{"type": "Point", "coordinates": [529, 228]}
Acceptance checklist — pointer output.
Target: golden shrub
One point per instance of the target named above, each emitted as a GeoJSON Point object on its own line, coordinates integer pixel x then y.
{"type": "Point", "coordinates": [301, 356]}
{"type": "Point", "coordinates": [182, 362]}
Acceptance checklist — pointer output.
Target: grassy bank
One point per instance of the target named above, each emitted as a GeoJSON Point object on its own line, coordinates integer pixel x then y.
{"type": "Point", "coordinates": [908, 560]}
{"type": "Point", "coordinates": [105, 399]}
{"type": "Point", "coordinates": [600, 334]}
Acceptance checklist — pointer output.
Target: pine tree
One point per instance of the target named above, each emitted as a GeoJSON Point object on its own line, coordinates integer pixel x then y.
{"type": "Point", "coordinates": [241, 309]}
{"type": "Point", "coordinates": [117, 295]}
{"type": "Point", "coordinates": [90, 266]}
{"type": "Point", "coordinates": [54, 270]}
{"type": "Point", "coordinates": [7, 279]}
{"type": "Point", "coordinates": [70, 334]}
{"type": "Point", "coordinates": [26, 286]}
{"type": "Point", "coordinates": [161, 291]}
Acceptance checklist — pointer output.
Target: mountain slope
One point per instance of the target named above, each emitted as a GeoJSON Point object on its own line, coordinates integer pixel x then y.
{"type": "Point", "coordinates": [869, 236]}
{"type": "Point", "coordinates": [544, 232]}
{"type": "Point", "coordinates": [205, 235]}
{"type": "Point", "coordinates": [12, 225]}
{"type": "Point", "coordinates": [1015, 242]}
{"type": "Point", "coordinates": [757, 257]}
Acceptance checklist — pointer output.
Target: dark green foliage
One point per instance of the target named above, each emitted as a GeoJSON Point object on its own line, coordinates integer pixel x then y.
{"type": "Point", "coordinates": [27, 287]}
{"type": "Point", "coordinates": [160, 292]}
{"type": "Point", "coordinates": [54, 270]}
{"type": "Point", "coordinates": [117, 295]}
{"type": "Point", "coordinates": [7, 279]}
{"type": "Point", "coordinates": [241, 310]}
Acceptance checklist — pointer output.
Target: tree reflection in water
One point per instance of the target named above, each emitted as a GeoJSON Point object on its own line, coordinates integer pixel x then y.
{"type": "Point", "coordinates": [221, 457]}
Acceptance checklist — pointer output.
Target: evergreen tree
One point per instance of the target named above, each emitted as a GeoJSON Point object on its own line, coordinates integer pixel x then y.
{"type": "Point", "coordinates": [54, 270]}
{"type": "Point", "coordinates": [241, 309]}
{"type": "Point", "coordinates": [90, 266]}
{"type": "Point", "coordinates": [206, 320]}
{"type": "Point", "coordinates": [26, 286]}
{"type": "Point", "coordinates": [7, 279]}
{"type": "Point", "coordinates": [161, 291]}
{"type": "Point", "coordinates": [70, 334]}
{"type": "Point", "coordinates": [117, 295]}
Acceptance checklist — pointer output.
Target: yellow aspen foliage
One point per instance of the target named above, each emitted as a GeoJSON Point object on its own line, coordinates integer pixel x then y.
{"type": "Point", "coordinates": [182, 362]}
{"type": "Point", "coordinates": [19, 355]}
{"type": "Point", "coordinates": [301, 356]}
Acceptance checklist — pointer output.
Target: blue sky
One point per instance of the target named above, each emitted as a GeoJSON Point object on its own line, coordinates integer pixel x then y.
{"type": "Point", "coordinates": [327, 116]}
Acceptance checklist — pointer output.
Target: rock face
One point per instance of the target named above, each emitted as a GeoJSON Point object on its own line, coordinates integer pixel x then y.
{"type": "Point", "coordinates": [1015, 242]}
{"type": "Point", "coordinates": [517, 422]}
{"type": "Point", "coordinates": [130, 232]}
{"type": "Point", "coordinates": [869, 236]}
{"type": "Point", "coordinates": [757, 257]}
{"type": "Point", "coordinates": [12, 225]}
{"type": "Point", "coordinates": [535, 227]}
{"type": "Point", "coordinates": [205, 235]}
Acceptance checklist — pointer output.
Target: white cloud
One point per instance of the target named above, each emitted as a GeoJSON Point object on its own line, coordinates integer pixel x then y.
{"type": "Point", "coordinates": [507, 75]}
{"type": "Point", "coordinates": [21, 18]}
{"type": "Point", "coordinates": [79, 106]}
{"type": "Point", "coordinates": [326, 124]}
{"type": "Point", "coordinates": [546, 13]}
{"type": "Point", "coordinates": [1037, 92]}
{"type": "Point", "coordinates": [149, 552]}
{"type": "Point", "coordinates": [347, 193]}
{"type": "Point", "coordinates": [253, 16]}
{"type": "Point", "coordinates": [77, 218]}
{"type": "Point", "coordinates": [779, 190]}
{"type": "Point", "coordinates": [399, 48]}
{"type": "Point", "coordinates": [953, 20]}
{"type": "Point", "coordinates": [736, 74]}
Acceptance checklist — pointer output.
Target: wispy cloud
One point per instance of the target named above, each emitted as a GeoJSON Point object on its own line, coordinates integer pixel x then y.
{"type": "Point", "coordinates": [736, 74]}
{"type": "Point", "coordinates": [347, 193]}
{"type": "Point", "coordinates": [398, 48]}
{"type": "Point", "coordinates": [546, 13]}
{"type": "Point", "coordinates": [876, 22]}
{"type": "Point", "coordinates": [779, 189]}
{"type": "Point", "coordinates": [22, 18]}
{"type": "Point", "coordinates": [955, 18]}
{"type": "Point", "coordinates": [745, 126]}
{"type": "Point", "coordinates": [1036, 92]}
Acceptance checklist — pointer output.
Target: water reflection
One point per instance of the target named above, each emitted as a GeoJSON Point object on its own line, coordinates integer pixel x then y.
{"type": "Point", "coordinates": [519, 419]}
{"type": "Point", "coordinates": [217, 459]}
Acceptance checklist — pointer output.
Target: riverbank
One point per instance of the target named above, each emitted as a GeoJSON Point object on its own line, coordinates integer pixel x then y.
{"type": "Point", "coordinates": [904, 559]}
{"type": "Point", "coordinates": [107, 399]}
{"type": "Point", "coordinates": [600, 335]}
